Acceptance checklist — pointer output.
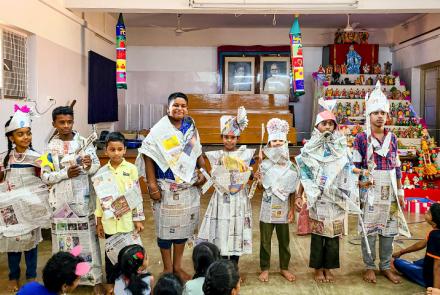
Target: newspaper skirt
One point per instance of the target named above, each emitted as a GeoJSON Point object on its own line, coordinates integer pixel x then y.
{"type": "Point", "coordinates": [70, 232]}
{"type": "Point", "coordinates": [20, 243]}
{"type": "Point", "coordinates": [273, 209]}
{"type": "Point", "coordinates": [177, 214]}
{"type": "Point", "coordinates": [327, 218]}
{"type": "Point", "coordinates": [380, 210]}
{"type": "Point", "coordinates": [228, 223]}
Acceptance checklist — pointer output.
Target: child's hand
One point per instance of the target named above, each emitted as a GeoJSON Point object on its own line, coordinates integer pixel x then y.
{"type": "Point", "coordinates": [154, 192]}
{"type": "Point", "coordinates": [291, 216]}
{"type": "Point", "coordinates": [397, 254]}
{"type": "Point", "coordinates": [258, 175]}
{"type": "Point", "coordinates": [298, 203]}
{"type": "Point", "coordinates": [138, 226]}
{"type": "Point", "coordinates": [100, 230]}
{"type": "Point", "coordinates": [200, 179]}
{"type": "Point", "coordinates": [73, 171]}
{"type": "Point", "coordinates": [87, 162]}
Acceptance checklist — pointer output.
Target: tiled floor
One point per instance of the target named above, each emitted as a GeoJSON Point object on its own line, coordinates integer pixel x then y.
{"type": "Point", "coordinates": [349, 276]}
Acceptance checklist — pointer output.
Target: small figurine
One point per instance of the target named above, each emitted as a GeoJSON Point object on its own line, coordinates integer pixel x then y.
{"type": "Point", "coordinates": [407, 184]}
{"type": "Point", "coordinates": [343, 69]}
{"type": "Point", "coordinates": [357, 93]}
{"type": "Point", "coordinates": [406, 110]}
{"type": "Point", "coordinates": [370, 81]}
{"type": "Point", "coordinates": [344, 93]}
{"type": "Point", "coordinates": [336, 93]}
{"type": "Point", "coordinates": [337, 69]}
{"type": "Point", "coordinates": [366, 68]}
{"type": "Point", "coordinates": [353, 61]}
{"type": "Point", "coordinates": [329, 93]}
{"type": "Point", "coordinates": [351, 93]}
{"type": "Point", "coordinates": [358, 81]}
{"type": "Point", "coordinates": [377, 69]}
{"type": "Point", "coordinates": [424, 186]}
{"type": "Point", "coordinates": [329, 70]}
{"type": "Point", "coordinates": [362, 78]}
{"type": "Point", "coordinates": [387, 67]}
{"type": "Point", "coordinates": [363, 93]}
{"type": "Point", "coordinates": [321, 70]}
{"type": "Point", "coordinates": [356, 109]}
{"type": "Point", "coordinates": [340, 109]}
{"type": "Point", "coordinates": [416, 182]}
{"type": "Point", "coordinates": [348, 109]}
{"type": "Point", "coordinates": [397, 81]}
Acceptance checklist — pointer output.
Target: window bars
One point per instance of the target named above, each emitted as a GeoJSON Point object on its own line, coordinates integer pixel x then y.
{"type": "Point", "coordinates": [14, 65]}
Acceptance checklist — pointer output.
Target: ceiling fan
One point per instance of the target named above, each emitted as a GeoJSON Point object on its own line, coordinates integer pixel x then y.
{"type": "Point", "coordinates": [179, 29]}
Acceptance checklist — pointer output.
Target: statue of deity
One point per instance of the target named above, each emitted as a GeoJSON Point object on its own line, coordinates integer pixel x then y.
{"type": "Point", "coordinates": [353, 61]}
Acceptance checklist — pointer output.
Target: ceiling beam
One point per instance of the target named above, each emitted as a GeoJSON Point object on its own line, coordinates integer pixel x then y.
{"type": "Point", "coordinates": [183, 6]}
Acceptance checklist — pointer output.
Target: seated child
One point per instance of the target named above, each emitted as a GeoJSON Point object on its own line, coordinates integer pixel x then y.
{"type": "Point", "coordinates": [169, 284]}
{"type": "Point", "coordinates": [222, 278]}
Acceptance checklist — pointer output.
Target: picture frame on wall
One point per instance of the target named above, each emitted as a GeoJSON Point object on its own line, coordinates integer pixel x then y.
{"type": "Point", "coordinates": [239, 75]}
{"type": "Point", "coordinates": [274, 74]}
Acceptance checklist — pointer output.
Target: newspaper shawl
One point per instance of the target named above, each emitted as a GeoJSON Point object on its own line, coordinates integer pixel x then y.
{"type": "Point", "coordinates": [169, 148]}
{"type": "Point", "coordinates": [279, 181]}
{"type": "Point", "coordinates": [73, 202]}
{"type": "Point", "coordinates": [228, 218]}
{"type": "Point", "coordinates": [76, 192]}
{"type": "Point", "coordinates": [329, 184]}
{"type": "Point", "coordinates": [20, 228]}
{"type": "Point", "coordinates": [381, 211]}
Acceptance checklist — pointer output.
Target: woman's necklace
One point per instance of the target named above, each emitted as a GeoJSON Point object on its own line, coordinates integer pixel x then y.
{"type": "Point", "coordinates": [21, 156]}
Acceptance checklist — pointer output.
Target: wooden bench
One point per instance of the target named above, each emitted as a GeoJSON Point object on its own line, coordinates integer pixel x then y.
{"type": "Point", "coordinates": [206, 110]}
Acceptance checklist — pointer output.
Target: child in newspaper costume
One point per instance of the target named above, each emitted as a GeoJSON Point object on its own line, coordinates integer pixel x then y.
{"type": "Point", "coordinates": [279, 179]}
{"type": "Point", "coordinates": [330, 189]}
{"type": "Point", "coordinates": [228, 219]}
{"type": "Point", "coordinates": [382, 196]}
{"type": "Point", "coordinates": [168, 159]}
{"type": "Point", "coordinates": [73, 162]}
{"type": "Point", "coordinates": [21, 189]}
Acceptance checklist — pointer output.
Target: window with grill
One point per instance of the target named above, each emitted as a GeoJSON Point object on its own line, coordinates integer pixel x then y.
{"type": "Point", "coordinates": [14, 65]}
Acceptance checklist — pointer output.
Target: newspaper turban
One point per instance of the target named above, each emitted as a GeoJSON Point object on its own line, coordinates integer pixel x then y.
{"type": "Point", "coordinates": [230, 125]}
{"type": "Point", "coordinates": [376, 101]}
{"type": "Point", "coordinates": [327, 114]}
{"type": "Point", "coordinates": [277, 129]}
{"type": "Point", "coordinates": [20, 119]}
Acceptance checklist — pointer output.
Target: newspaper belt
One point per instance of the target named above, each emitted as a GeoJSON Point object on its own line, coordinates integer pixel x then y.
{"type": "Point", "coordinates": [177, 213]}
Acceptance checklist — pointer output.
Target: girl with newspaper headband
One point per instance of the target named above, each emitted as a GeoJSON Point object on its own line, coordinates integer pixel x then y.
{"type": "Point", "coordinates": [20, 189]}
{"type": "Point", "coordinates": [228, 218]}
{"type": "Point", "coordinates": [168, 158]}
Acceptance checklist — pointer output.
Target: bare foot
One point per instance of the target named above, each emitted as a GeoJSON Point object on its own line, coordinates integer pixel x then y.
{"type": "Point", "coordinates": [184, 276]}
{"type": "Point", "coordinates": [243, 278]}
{"type": "Point", "coordinates": [13, 286]}
{"type": "Point", "coordinates": [370, 276]}
{"type": "Point", "coordinates": [319, 275]}
{"type": "Point", "coordinates": [329, 276]}
{"type": "Point", "coordinates": [288, 275]}
{"type": "Point", "coordinates": [433, 291]}
{"type": "Point", "coordinates": [264, 276]}
{"type": "Point", "coordinates": [391, 276]}
{"type": "Point", "coordinates": [98, 289]}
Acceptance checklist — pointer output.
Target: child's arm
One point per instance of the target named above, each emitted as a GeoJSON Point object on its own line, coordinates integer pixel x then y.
{"type": "Point", "coordinates": [436, 273]}
{"type": "Point", "coordinates": [99, 228]}
{"type": "Point", "coordinates": [291, 215]}
{"type": "Point", "coordinates": [298, 198]}
{"type": "Point", "coordinates": [153, 187]}
{"type": "Point", "coordinates": [138, 212]}
{"type": "Point", "coordinates": [91, 160]}
{"type": "Point", "coordinates": [52, 177]}
{"type": "Point", "coordinates": [413, 248]}
{"type": "Point", "coordinates": [201, 165]}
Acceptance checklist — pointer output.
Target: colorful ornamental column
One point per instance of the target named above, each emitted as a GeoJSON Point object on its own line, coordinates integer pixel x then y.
{"type": "Point", "coordinates": [121, 61]}
{"type": "Point", "coordinates": [296, 59]}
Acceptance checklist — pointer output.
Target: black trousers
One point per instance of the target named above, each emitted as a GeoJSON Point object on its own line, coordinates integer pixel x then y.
{"type": "Point", "coordinates": [324, 252]}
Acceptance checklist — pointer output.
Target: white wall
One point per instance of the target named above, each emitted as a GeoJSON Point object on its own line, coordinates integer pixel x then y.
{"type": "Point", "coordinates": [58, 46]}
{"type": "Point", "coordinates": [410, 56]}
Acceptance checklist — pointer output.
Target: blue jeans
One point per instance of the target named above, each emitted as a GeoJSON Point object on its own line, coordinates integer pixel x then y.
{"type": "Point", "coordinates": [385, 252]}
{"type": "Point", "coordinates": [30, 258]}
{"type": "Point", "coordinates": [411, 270]}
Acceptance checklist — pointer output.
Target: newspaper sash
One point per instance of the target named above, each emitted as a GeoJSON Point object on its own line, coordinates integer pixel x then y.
{"type": "Point", "coordinates": [169, 148]}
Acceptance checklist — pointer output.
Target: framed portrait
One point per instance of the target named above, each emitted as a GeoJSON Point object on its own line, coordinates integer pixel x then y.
{"type": "Point", "coordinates": [239, 75]}
{"type": "Point", "coordinates": [275, 74]}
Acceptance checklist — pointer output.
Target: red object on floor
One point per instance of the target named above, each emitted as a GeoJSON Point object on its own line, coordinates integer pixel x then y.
{"type": "Point", "coordinates": [418, 205]}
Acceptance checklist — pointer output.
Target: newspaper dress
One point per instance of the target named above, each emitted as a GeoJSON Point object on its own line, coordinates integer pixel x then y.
{"type": "Point", "coordinates": [382, 213]}
{"type": "Point", "coordinates": [329, 184]}
{"type": "Point", "coordinates": [24, 207]}
{"type": "Point", "coordinates": [177, 213]}
{"type": "Point", "coordinates": [73, 203]}
{"type": "Point", "coordinates": [279, 181]}
{"type": "Point", "coordinates": [228, 219]}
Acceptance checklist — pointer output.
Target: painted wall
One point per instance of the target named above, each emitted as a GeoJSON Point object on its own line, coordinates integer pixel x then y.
{"type": "Point", "coordinates": [59, 42]}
